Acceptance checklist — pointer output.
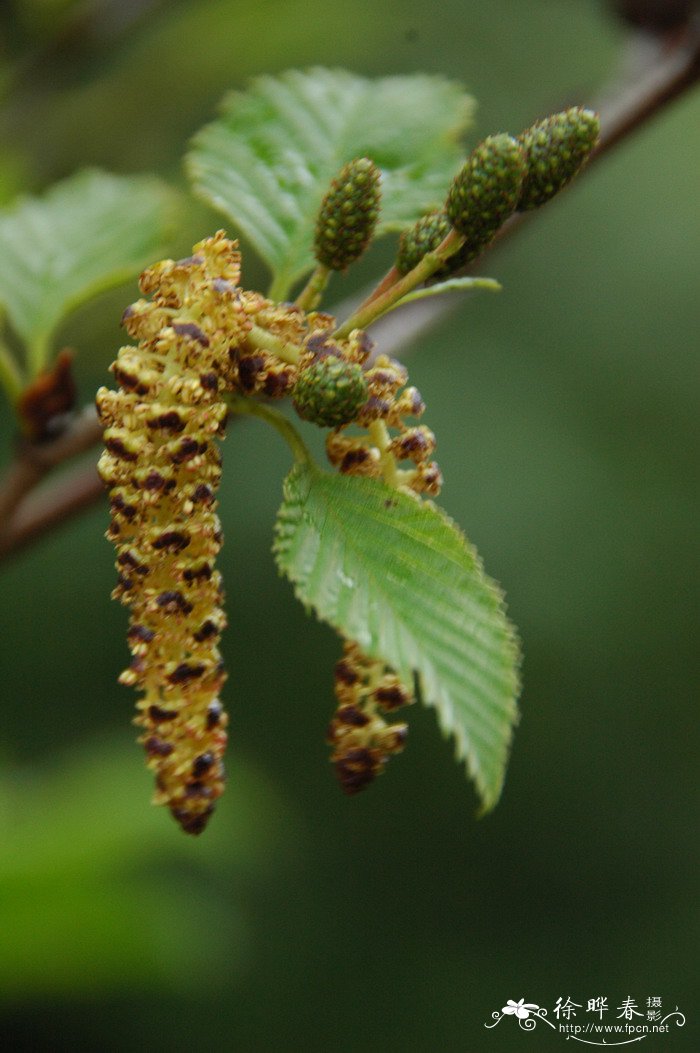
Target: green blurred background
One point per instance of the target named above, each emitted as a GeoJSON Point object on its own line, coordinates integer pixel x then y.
{"type": "Point", "coordinates": [565, 413]}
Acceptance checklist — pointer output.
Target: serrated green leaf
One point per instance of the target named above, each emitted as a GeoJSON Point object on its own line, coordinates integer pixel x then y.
{"type": "Point", "coordinates": [268, 160]}
{"type": "Point", "coordinates": [398, 576]}
{"type": "Point", "coordinates": [87, 233]}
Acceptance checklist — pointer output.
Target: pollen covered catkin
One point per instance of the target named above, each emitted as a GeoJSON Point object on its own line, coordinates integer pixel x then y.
{"type": "Point", "coordinates": [366, 689]}
{"type": "Point", "coordinates": [162, 467]}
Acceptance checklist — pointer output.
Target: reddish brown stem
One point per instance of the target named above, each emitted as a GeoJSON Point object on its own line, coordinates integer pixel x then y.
{"type": "Point", "coordinates": [34, 460]}
{"type": "Point", "coordinates": [49, 507]}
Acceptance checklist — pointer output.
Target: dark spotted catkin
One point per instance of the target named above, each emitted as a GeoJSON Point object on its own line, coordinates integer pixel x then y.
{"type": "Point", "coordinates": [362, 741]}
{"type": "Point", "coordinates": [162, 467]}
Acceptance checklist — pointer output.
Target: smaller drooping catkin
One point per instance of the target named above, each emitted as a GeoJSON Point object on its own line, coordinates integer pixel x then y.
{"type": "Point", "coordinates": [382, 439]}
{"type": "Point", "coordinates": [362, 741]}
{"type": "Point", "coordinates": [374, 443]}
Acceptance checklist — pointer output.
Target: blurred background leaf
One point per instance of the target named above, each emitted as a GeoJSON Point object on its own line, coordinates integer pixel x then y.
{"type": "Point", "coordinates": [566, 415]}
{"type": "Point", "coordinates": [98, 895]}
{"type": "Point", "coordinates": [86, 234]}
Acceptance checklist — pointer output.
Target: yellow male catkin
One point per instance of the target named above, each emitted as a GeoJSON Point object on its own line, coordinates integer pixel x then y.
{"type": "Point", "coordinates": [375, 444]}
{"type": "Point", "coordinates": [366, 689]}
{"type": "Point", "coordinates": [162, 467]}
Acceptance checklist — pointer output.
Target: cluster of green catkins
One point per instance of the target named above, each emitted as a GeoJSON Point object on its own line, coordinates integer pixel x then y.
{"type": "Point", "coordinates": [199, 338]}
{"type": "Point", "coordinates": [503, 175]}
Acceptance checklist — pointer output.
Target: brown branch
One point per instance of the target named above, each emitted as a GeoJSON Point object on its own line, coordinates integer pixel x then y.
{"type": "Point", "coordinates": [674, 67]}
{"type": "Point", "coordinates": [668, 70]}
{"type": "Point", "coordinates": [51, 506]}
{"type": "Point", "coordinates": [665, 73]}
{"type": "Point", "coordinates": [33, 461]}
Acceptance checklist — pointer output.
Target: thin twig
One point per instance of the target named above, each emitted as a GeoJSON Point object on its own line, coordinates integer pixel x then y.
{"type": "Point", "coordinates": [376, 306]}
{"type": "Point", "coordinates": [50, 506]}
{"type": "Point", "coordinates": [668, 73]}
{"type": "Point", "coordinates": [673, 71]}
{"type": "Point", "coordinates": [34, 460]}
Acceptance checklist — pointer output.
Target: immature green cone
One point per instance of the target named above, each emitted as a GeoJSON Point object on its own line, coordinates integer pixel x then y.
{"type": "Point", "coordinates": [330, 391]}
{"type": "Point", "coordinates": [486, 191]}
{"type": "Point", "coordinates": [556, 150]}
{"type": "Point", "coordinates": [348, 215]}
{"type": "Point", "coordinates": [424, 236]}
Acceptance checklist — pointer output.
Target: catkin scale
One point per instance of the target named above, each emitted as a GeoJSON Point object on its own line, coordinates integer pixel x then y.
{"type": "Point", "coordinates": [162, 466]}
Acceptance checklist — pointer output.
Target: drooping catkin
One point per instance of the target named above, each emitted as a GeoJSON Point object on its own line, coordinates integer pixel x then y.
{"type": "Point", "coordinates": [366, 688]}
{"type": "Point", "coordinates": [362, 741]}
{"type": "Point", "coordinates": [162, 467]}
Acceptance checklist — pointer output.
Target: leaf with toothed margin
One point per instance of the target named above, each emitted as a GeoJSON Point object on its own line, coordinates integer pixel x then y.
{"type": "Point", "coordinates": [86, 234]}
{"type": "Point", "coordinates": [398, 576]}
{"type": "Point", "coordinates": [268, 160]}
